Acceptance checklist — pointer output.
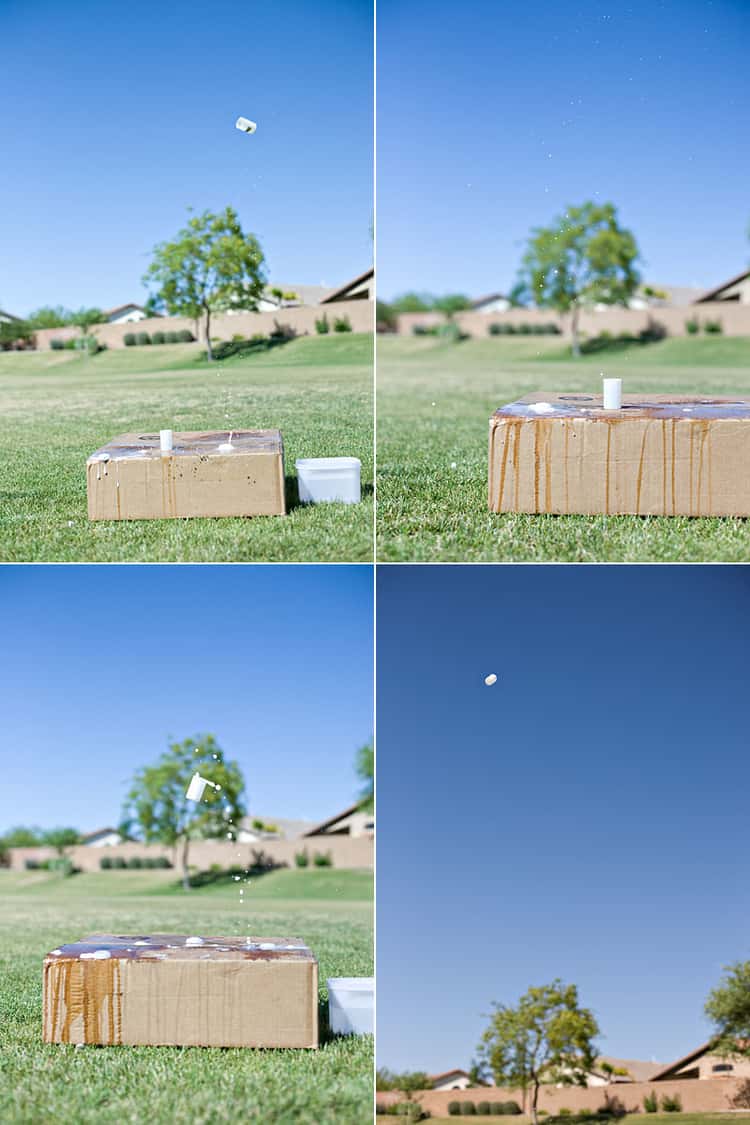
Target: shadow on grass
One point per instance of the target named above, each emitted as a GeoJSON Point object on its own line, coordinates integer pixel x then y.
{"type": "Point", "coordinates": [291, 494]}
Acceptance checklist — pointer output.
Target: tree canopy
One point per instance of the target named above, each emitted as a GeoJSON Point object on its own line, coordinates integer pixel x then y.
{"type": "Point", "coordinates": [157, 810]}
{"type": "Point", "coordinates": [210, 264]}
{"type": "Point", "coordinates": [728, 1007]}
{"type": "Point", "coordinates": [546, 1037]}
{"type": "Point", "coordinates": [365, 767]}
{"type": "Point", "coordinates": [583, 258]}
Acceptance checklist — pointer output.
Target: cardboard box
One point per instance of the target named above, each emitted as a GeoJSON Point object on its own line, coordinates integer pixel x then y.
{"type": "Point", "coordinates": [662, 455]}
{"type": "Point", "coordinates": [130, 479]}
{"type": "Point", "coordinates": [165, 989]}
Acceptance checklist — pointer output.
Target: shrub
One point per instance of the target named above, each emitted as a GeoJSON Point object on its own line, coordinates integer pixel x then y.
{"type": "Point", "coordinates": [57, 345]}
{"type": "Point", "coordinates": [31, 864]}
{"type": "Point", "coordinates": [424, 330]}
{"type": "Point", "coordinates": [454, 1109]}
{"type": "Point", "coordinates": [741, 1099]}
{"type": "Point", "coordinates": [484, 1109]}
{"type": "Point", "coordinates": [105, 863]}
{"type": "Point", "coordinates": [613, 1107]}
{"type": "Point", "coordinates": [524, 329]}
{"type": "Point", "coordinates": [323, 859]}
{"type": "Point", "coordinates": [651, 1102]}
{"type": "Point", "coordinates": [381, 1109]}
{"type": "Point", "coordinates": [62, 865]}
{"type": "Point", "coordinates": [452, 332]}
{"type": "Point", "coordinates": [135, 863]}
{"type": "Point", "coordinates": [302, 859]}
{"type": "Point", "coordinates": [71, 345]}
{"type": "Point", "coordinates": [322, 327]}
{"type": "Point", "coordinates": [237, 338]}
{"type": "Point", "coordinates": [118, 861]}
{"type": "Point", "coordinates": [692, 327]}
{"type": "Point", "coordinates": [158, 337]}
{"type": "Point", "coordinates": [563, 1111]}
{"type": "Point", "coordinates": [142, 338]}
{"type": "Point", "coordinates": [185, 336]}
{"type": "Point", "coordinates": [713, 327]}
{"type": "Point", "coordinates": [513, 1108]}
{"type": "Point", "coordinates": [468, 1109]}
{"type": "Point", "coordinates": [162, 862]}
{"type": "Point", "coordinates": [553, 329]}
{"type": "Point", "coordinates": [671, 1103]}
{"type": "Point", "coordinates": [584, 1114]}
{"type": "Point", "coordinates": [172, 337]}
{"type": "Point", "coordinates": [342, 324]}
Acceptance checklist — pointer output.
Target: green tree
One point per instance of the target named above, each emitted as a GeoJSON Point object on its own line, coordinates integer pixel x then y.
{"type": "Point", "coordinates": [11, 331]}
{"type": "Point", "coordinates": [49, 317]}
{"type": "Point", "coordinates": [584, 258]}
{"type": "Point", "coordinates": [728, 1008]}
{"type": "Point", "coordinates": [156, 809]}
{"type": "Point", "coordinates": [451, 303]}
{"type": "Point", "coordinates": [61, 839]}
{"type": "Point", "coordinates": [210, 264]}
{"type": "Point", "coordinates": [408, 1083]}
{"type": "Point", "coordinates": [546, 1037]}
{"type": "Point", "coordinates": [23, 837]}
{"type": "Point", "coordinates": [412, 302]}
{"type": "Point", "coordinates": [85, 319]}
{"type": "Point", "coordinates": [365, 768]}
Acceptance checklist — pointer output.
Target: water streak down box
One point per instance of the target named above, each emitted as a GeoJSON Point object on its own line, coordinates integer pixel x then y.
{"type": "Point", "coordinates": [130, 478]}
{"type": "Point", "coordinates": [163, 990]}
{"type": "Point", "coordinates": [663, 455]}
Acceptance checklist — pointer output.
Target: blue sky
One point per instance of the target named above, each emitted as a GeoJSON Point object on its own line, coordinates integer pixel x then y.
{"type": "Point", "coordinates": [585, 818]}
{"type": "Point", "coordinates": [493, 116]}
{"type": "Point", "coordinates": [100, 665]}
{"type": "Point", "coordinates": [123, 117]}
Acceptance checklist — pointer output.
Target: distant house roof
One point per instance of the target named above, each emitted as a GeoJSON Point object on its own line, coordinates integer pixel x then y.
{"type": "Point", "coordinates": [638, 1070]}
{"type": "Point", "coordinates": [98, 833]}
{"type": "Point", "coordinates": [715, 294]}
{"type": "Point", "coordinates": [680, 1064]}
{"type": "Point", "coordinates": [119, 309]}
{"type": "Point", "coordinates": [287, 829]}
{"type": "Point", "coordinates": [356, 289]}
{"type": "Point", "coordinates": [676, 296]}
{"type": "Point", "coordinates": [306, 294]}
{"type": "Point", "coordinates": [7, 316]}
{"type": "Point", "coordinates": [326, 825]}
{"type": "Point", "coordinates": [457, 1073]}
{"type": "Point", "coordinates": [488, 299]}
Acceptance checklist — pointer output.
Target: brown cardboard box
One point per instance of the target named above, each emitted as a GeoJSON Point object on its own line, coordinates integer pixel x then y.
{"type": "Point", "coordinates": [665, 455]}
{"type": "Point", "coordinates": [130, 479]}
{"type": "Point", "coordinates": [157, 990]}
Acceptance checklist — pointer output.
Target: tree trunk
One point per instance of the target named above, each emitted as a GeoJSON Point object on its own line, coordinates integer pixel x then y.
{"type": "Point", "coordinates": [574, 331]}
{"type": "Point", "coordinates": [185, 872]}
{"type": "Point", "coordinates": [209, 352]}
{"type": "Point", "coordinates": [534, 1100]}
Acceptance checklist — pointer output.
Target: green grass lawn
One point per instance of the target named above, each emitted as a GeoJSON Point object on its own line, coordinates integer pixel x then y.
{"type": "Point", "coordinates": [331, 910]}
{"type": "Point", "coordinates": [434, 401]}
{"type": "Point", "coordinates": [58, 407]}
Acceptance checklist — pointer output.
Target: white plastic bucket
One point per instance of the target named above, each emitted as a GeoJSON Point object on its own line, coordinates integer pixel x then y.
{"type": "Point", "coordinates": [322, 479]}
{"type": "Point", "coordinates": [351, 1005]}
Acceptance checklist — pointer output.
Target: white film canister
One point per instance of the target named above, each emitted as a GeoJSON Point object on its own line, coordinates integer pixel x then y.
{"type": "Point", "coordinates": [612, 394]}
{"type": "Point", "coordinates": [196, 787]}
{"type": "Point", "coordinates": [166, 438]}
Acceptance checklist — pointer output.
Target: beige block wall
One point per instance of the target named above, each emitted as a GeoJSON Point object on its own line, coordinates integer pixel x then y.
{"type": "Point", "coordinates": [735, 319]}
{"type": "Point", "coordinates": [299, 321]}
{"type": "Point", "coordinates": [346, 852]}
{"type": "Point", "coordinates": [696, 1096]}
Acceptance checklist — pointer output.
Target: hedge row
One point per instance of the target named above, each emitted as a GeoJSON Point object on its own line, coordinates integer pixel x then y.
{"type": "Point", "coordinates": [507, 329]}
{"type": "Point", "coordinates": [134, 863]}
{"type": "Point", "coordinates": [139, 339]}
{"type": "Point", "coordinates": [485, 1108]}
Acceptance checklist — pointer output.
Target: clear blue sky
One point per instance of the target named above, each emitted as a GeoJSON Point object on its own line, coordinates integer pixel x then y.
{"type": "Point", "coordinates": [493, 116]}
{"type": "Point", "coordinates": [117, 118]}
{"type": "Point", "coordinates": [586, 817]}
{"type": "Point", "coordinates": [276, 661]}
